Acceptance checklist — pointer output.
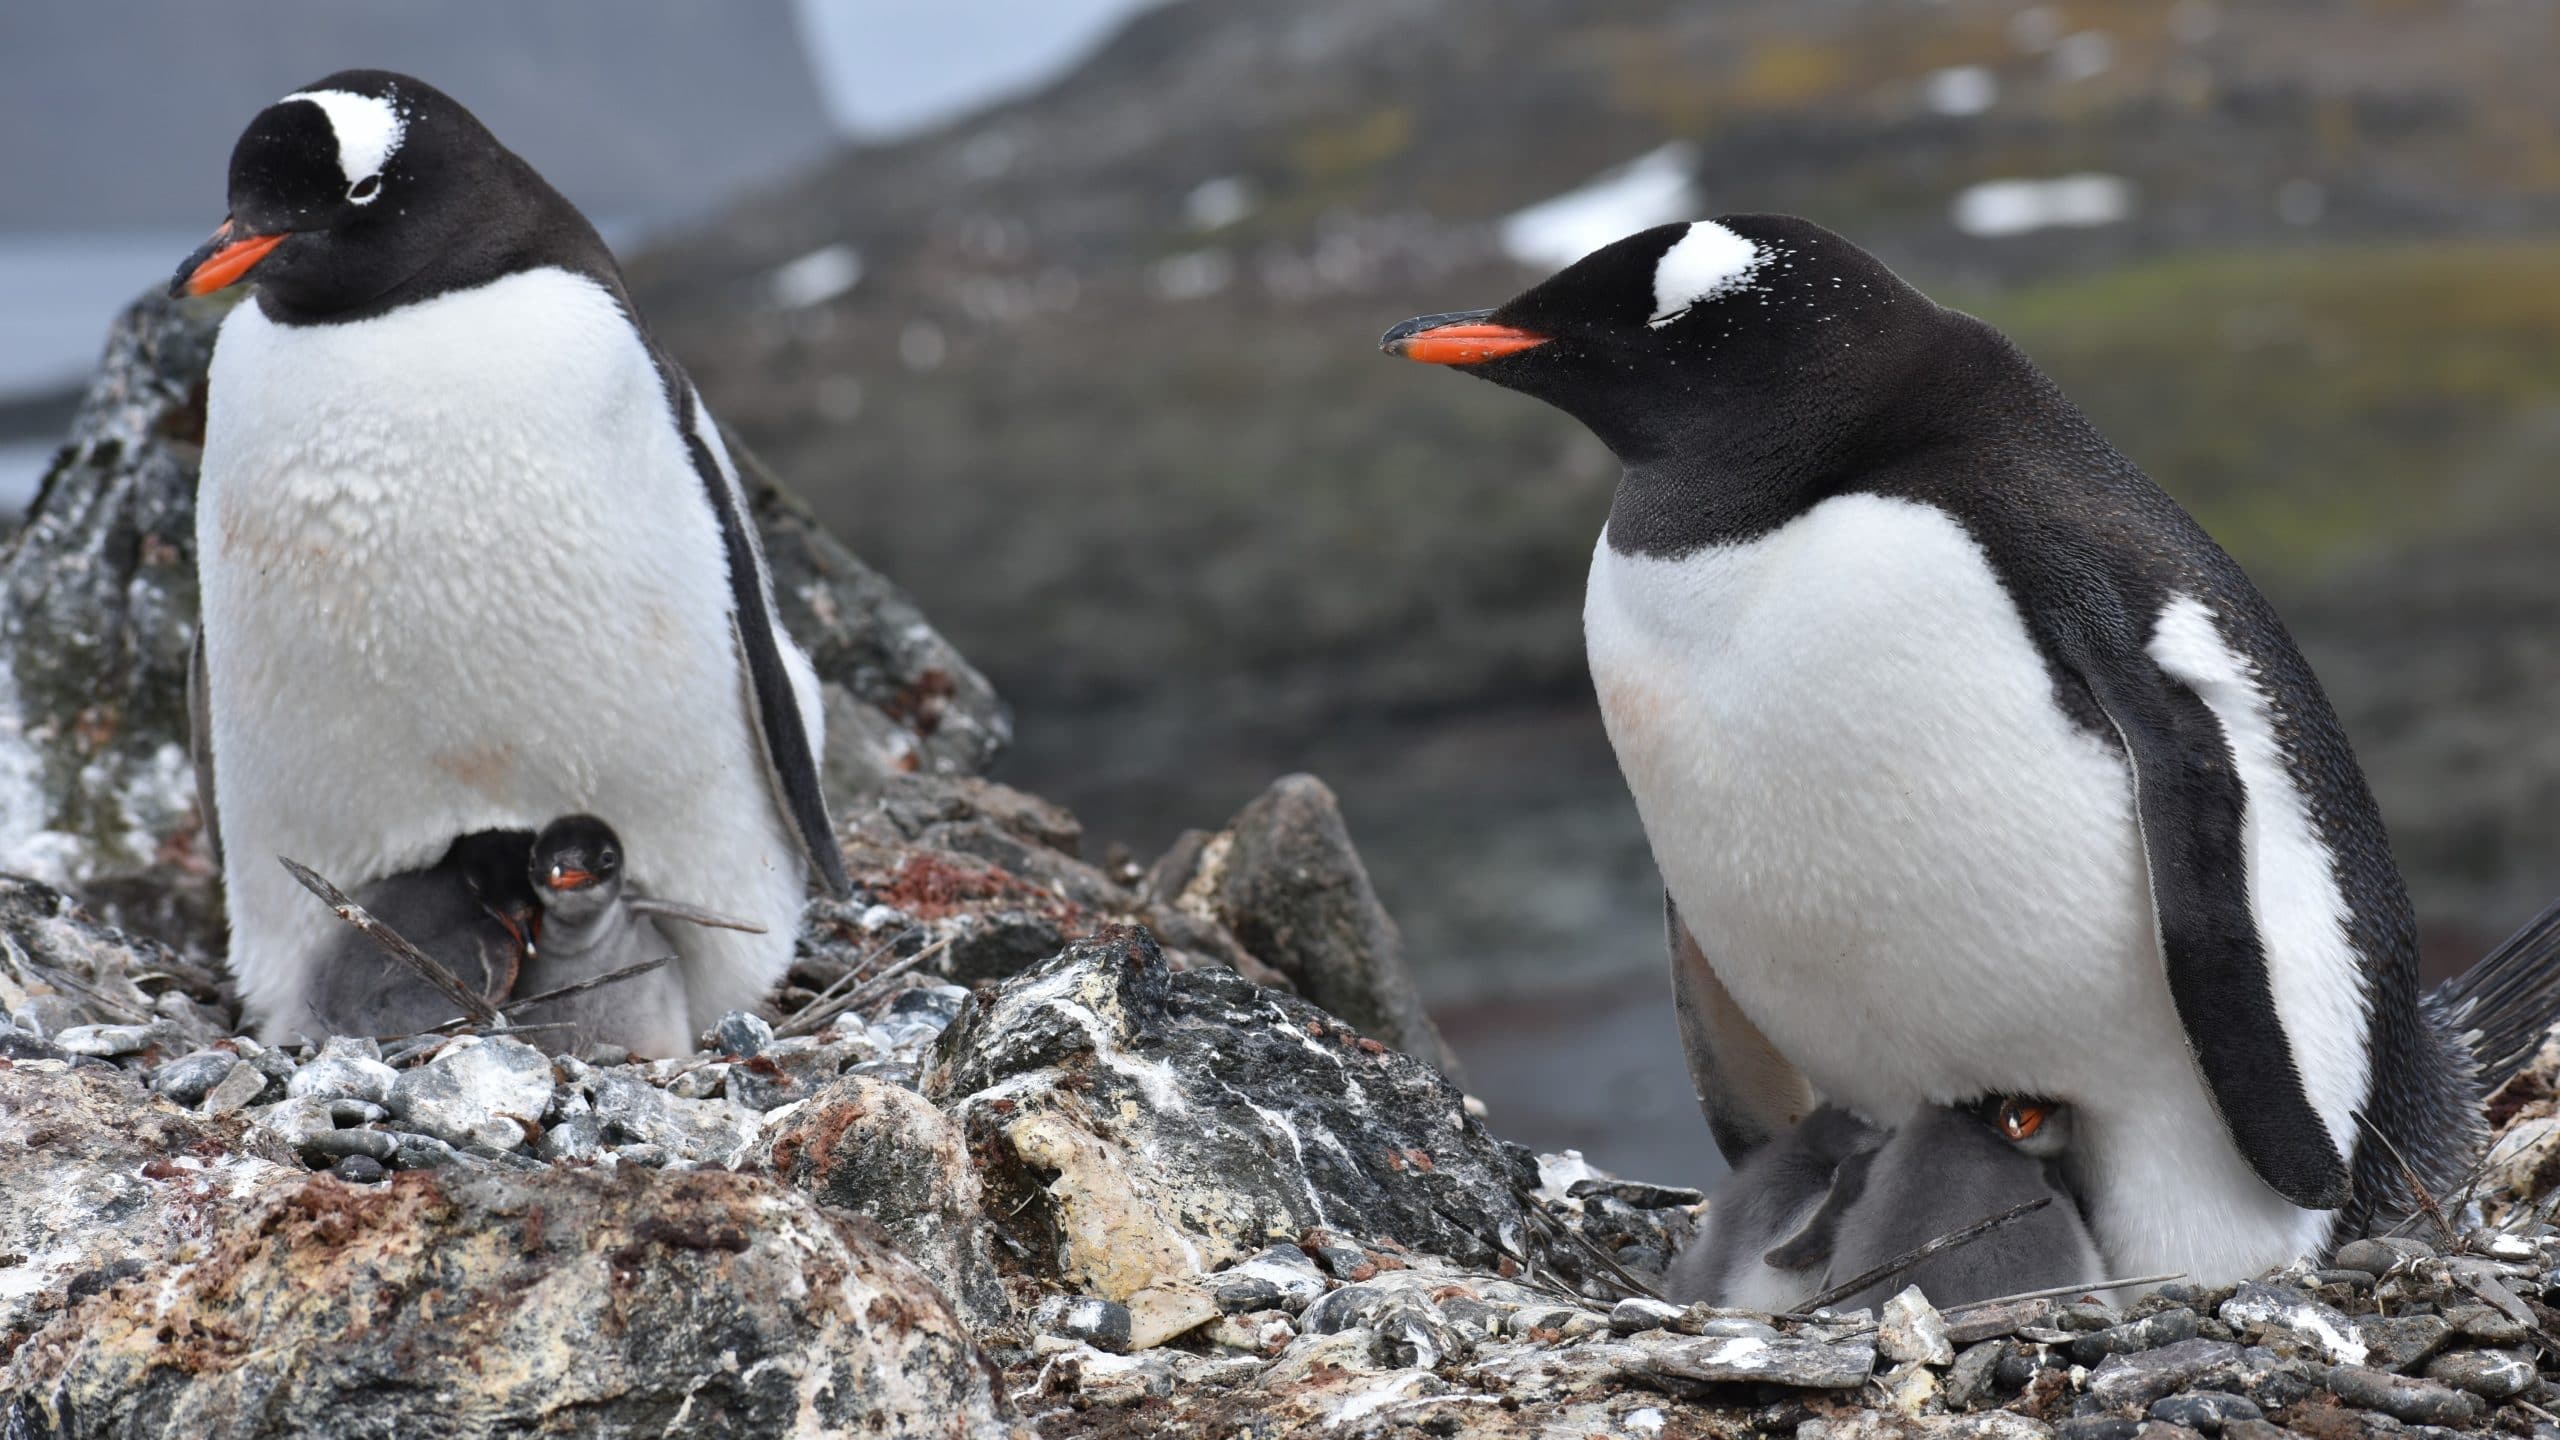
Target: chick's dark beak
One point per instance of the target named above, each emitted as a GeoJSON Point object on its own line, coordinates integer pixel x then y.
{"type": "Point", "coordinates": [222, 261]}
{"type": "Point", "coordinates": [1460, 339]}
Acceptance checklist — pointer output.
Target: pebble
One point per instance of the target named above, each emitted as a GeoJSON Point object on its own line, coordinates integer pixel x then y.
{"type": "Point", "coordinates": [2486, 1324]}
{"type": "Point", "coordinates": [2086, 1315]}
{"type": "Point", "coordinates": [1102, 1324]}
{"type": "Point", "coordinates": [359, 1170]}
{"type": "Point", "coordinates": [2489, 1374]}
{"type": "Point", "coordinates": [742, 1034]}
{"type": "Point", "coordinates": [103, 1042]}
{"type": "Point", "coordinates": [2150, 1333]}
{"type": "Point", "coordinates": [2207, 1411]}
{"type": "Point", "coordinates": [350, 1113]}
{"type": "Point", "coordinates": [2401, 1342]}
{"type": "Point", "coordinates": [271, 1062]}
{"type": "Point", "coordinates": [2281, 1316]}
{"type": "Point", "coordinates": [1974, 1379]}
{"type": "Point", "coordinates": [1350, 1307]}
{"type": "Point", "coordinates": [2134, 1381]}
{"type": "Point", "coordinates": [481, 1094]}
{"type": "Point", "coordinates": [2419, 1402]}
{"type": "Point", "coordinates": [1238, 1293]}
{"type": "Point", "coordinates": [1982, 1322]}
{"type": "Point", "coordinates": [190, 1077]}
{"type": "Point", "coordinates": [1481, 1319]}
{"type": "Point", "coordinates": [241, 1087]}
{"type": "Point", "coordinates": [702, 1082]}
{"type": "Point", "coordinates": [1910, 1331]}
{"type": "Point", "coordinates": [1638, 1313]}
{"type": "Point", "coordinates": [346, 1068]}
{"type": "Point", "coordinates": [1287, 1268]}
{"type": "Point", "coordinates": [1730, 1326]}
{"type": "Point", "coordinates": [380, 1145]}
{"type": "Point", "coordinates": [1411, 1335]}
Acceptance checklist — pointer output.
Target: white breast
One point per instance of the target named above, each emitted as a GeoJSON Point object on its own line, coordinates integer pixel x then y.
{"type": "Point", "coordinates": [459, 573]}
{"type": "Point", "coordinates": [1914, 873]}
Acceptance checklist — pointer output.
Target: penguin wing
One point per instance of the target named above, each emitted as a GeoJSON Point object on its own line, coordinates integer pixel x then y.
{"type": "Point", "coordinates": [200, 744]}
{"type": "Point", "coordinates": [782, 730]}
{"type": "Point", "coordinates": [2190, 805]}
{"type": "Point", "coordinates": [1751, 1093]}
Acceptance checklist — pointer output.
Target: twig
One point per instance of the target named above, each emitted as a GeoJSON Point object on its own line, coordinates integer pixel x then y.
{"type": "Point", "coordinates": [2426, 1201]}
{"type": "Point", "coordinates": [2055, 1292]}
{"type": "Point", "coordinates": [814, 1016]}
{"type": "Point", "coordinates": [1922, 1251]}
{"type": "Point", "coordinates": [1546, 1220]}
{"type": "Point", "coordinates": [520, 1003]}
{"type": "Point", "coordinates": [479, 1010]}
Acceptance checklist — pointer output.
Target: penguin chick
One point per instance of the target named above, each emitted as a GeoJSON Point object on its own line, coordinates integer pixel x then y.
{"type": "Point", "coordinates": [592, 925]}
{"type": "Point", "coordinates": [1770, 1228]}
{"type": "Point", "coordinates": [472, 910]}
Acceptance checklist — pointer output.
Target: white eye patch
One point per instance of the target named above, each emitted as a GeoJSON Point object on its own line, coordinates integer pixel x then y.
{"type": "Point", "coordinates": [1702, 264]}
{"type": "Point", "coordinates": [368, 130]}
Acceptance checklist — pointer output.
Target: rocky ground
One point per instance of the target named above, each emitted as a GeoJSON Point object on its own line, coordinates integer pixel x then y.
{"type": "Point", "coordinates": [1028, 1144]}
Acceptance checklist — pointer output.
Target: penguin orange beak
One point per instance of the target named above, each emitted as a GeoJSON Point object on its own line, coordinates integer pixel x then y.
{"type": "Point", "coordinates": [223, 261]}
{"type": "Point", "coordinates": [1463, 339]}
{"type": "Point", "coordinates": [564, 878]}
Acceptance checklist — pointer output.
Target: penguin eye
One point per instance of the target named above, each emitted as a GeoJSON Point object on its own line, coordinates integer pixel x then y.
{"type": "Point", "coordinates": [2021, 1119]}
{"type": "Point", "coordinates": [609, 861]}
{"type": "Point", "coordinates": [363, 191]}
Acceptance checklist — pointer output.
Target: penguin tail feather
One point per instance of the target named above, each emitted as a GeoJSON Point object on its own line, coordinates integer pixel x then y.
{"type": "Point", "coordinates": [2505, 1004]}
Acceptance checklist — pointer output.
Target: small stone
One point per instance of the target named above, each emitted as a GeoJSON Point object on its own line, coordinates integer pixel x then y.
{"type": "Point", "coordinates": [1262, 1332]}
{"type": "Point", "coordinates": [1239, 1294]}
{"type": "Point", "coordinates": [491, 1094]}
{"type": "Point", "coordinates": [1286, 1268]}
{"type": "Point", "coordinates": [2135, 1380]}
{"type": "Point", "coordinates": [1974, 1379]}
{"type": "Point", "coordinates": [1481, 1319]}
{"type": "Point", "coordinates": [1350, 1307]}
{"type": "Point", "coordinates": [1729, 1327]}
{"type": "Point", "coordinates": [1638, 1313]}
{"type": "Point", "coordinates": [271, 1062]}
{"type": "Point", "coordinates": [2098, 1427]}
{"type": "Point", "coordinates": [2150, 1333]}
{"type": "Point", "coordinates": [1812, 1364]}
{"type": "Point", "coordinates": [702, 1082]}
{"type": "Point", "coordinates": [2280, 1316]}
{"type": "Point", "coordinates": [1982, 1322]}
{"type": "Point", "coordinates": [2254, 1430]}
{"type": "Point", "coordinates": [742, 1034]}
{"type": "Point", "coordinates": [358, 1169]}
{"type": "Point", "coordinates": [242, 1086]}
{"type": "Point", "coordinates": [2206, 1411]}
{"type": "Point", "coordinates": [332, 1145]}
{"type": "Point", "coordinates": [297, 1119]}
{"type": "Point", "coordinates": [2485, 1324]}
{"type": "Point", "coordinates": [1411, 1335]}
{"type": "Point", "coordinates": [189, 1078]}
{"type": "Point", "coordinates": [1345, 1262]}
{"type": "Point", "coordinates": [103, 1042]}
{"type": "Point", "coordinates": [1102, 1324]}
{"type": "Point", "coordinates": [1159, 1313]}
{"type": "Point", "coordinates": [346, 1068]}
{"type": "Point", "coordinates": [2403, 1342]}
{"type": "Point", "coordinates": [2489, 1374]}
{"type": "Point", "coordinates": [2087, 1315]}
{"type": "Point", "coordinates": [2418, 1402]}
{"type": "Point", "coordinates": [352, 1113]}
{"type": "Point", "coordinates": [1910, 1331]}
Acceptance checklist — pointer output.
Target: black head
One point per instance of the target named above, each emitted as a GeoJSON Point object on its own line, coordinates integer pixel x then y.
{"type": "Point", "coordinates": [577, 866]}
{"type": "Point", "coordinates": [1742, 354]}
{"type": "Point", "coordinates": [366, 190]}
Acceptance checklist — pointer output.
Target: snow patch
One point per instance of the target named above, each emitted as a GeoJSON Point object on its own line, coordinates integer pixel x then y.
{"type": "Point", "coordinates": [1652, 189]}
{"type": "Point", "coordinates": [2015, 207]}
{"type": "Point", "coordinates": [1961, 90]}
{"type": "Point", "coordinates": [1216, 204]}
{"type": "Point", "coordinates": [815, 278]}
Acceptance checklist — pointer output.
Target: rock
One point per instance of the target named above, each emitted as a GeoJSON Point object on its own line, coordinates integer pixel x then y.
{"type": "Point", "coordinates": [1982, 1322]}
{"type": "Point", "coordinates": [1135, 1125]}
{"type": "Point", "coordinates": [350, 1068]}
{"type": "Point", "coordinates": [1638, 1313]}
{"type": "Point", "coordinates": [242, 1086]}
{"type": "Point", "coordinates": [1910, 1331]}
{"type": "Point", "coordinates": [556, 1298]}
{"type": "Point", "coordinates": [1102, 1324]}
{"type": "Point", "coordinates": [2137, 1380]}
{"type": "Point", "coordinates": [103, 1042]}
{"type": "Point", "coordinates": [62, 970]}
{"type": "Point", "coordinates": [2489, 1374]}
{"type": "Point", "coordinates": [93, 1176]}
{"type": "Point", "coordinates": [1974, 1379]}
{"type": "Point", "coordinates": [192, 1076]}
{"type": "Point", "coordinates": [2283, 1317]}
{"type": "Point", "coordinates": [1160, 1313]}
{"type": "Point", "coordinates": [1286, 1270]}
{"type": "Point", "coordinates": [2486, 1324]}
{"type": "Point", "coordinates": [490, 1093]}
{"type": "Point", "coordinates": [1811, 1364]}
{"type": "Point", "coordinates": [862, 1147]}
{"type": "Point", "coordinates": [2206, 1412]}
{"type": "Point", "coordinates": [2418, 1402]}
{"type": "Point", "coordinates": [742, 1034]}
{"type": "Point", "coordinates": [2403, 1342]}
{"type": "Point", "coordinates": [2149, 1333]}
{"type": "Point", "coordinates": [359, 1170]}
{"type": "Point", "coordinates": [1290, 886]}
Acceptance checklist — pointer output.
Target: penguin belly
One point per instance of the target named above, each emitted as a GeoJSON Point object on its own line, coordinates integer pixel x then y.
{"type": "Point", "coordinates": [459, 574]}
{"type": "Point", "coordinates": [1914, 872]}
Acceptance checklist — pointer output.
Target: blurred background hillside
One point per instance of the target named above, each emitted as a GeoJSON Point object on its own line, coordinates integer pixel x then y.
{"type": "Point", "coordinates": [1064, 315]}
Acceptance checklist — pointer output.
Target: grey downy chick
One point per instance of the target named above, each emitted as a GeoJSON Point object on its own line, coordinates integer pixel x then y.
{"type": "Point", "coordinates": [1837, 1197]}
{"type": "Point", "coordinates": [592, 924]}
{"type": "Point", "coordinates": [473, 911]}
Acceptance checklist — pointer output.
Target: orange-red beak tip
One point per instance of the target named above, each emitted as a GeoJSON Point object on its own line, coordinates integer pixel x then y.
{"type": "Point", "coordinates": [223, 261]}
{"type": "Point", "coordinates": [1467, 342]}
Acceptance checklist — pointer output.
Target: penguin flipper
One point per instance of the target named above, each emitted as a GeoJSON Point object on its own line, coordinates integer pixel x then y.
{"type": "Point", "coordinates": [2190, 806]}
{"type": "Point", "coordinates": [784, 732]}
{"type": "Point", "coordinates": [200, 744]}
{"type": "Point", "coordinates": [1751, 1093]}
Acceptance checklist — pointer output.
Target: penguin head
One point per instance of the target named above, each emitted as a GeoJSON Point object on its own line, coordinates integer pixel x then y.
{"type": "Point", "coordinates": [1678, 330]}
{"type": "Point", "coordinates": [2032, 1124]}
{"type": "Point", "coordinates": [576, 867]}
{"type": "Point", "coordinates": [360, 188]}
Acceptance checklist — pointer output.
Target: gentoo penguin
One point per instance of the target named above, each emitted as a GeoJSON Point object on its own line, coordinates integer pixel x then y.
{"type": "Point", "coordinates": [1971, 765]}
{"type": "Point", "coordinates": [473, 911]}
{"type": "Point", "coordinates": [1835, 1198]}
{"type": "Point", "coordinates": [473, 554]}
{"type": "Point", "coordinates": [591, 925]}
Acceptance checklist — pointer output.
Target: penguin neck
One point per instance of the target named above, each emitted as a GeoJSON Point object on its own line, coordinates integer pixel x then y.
{"type": "Point", "coordinates": [1724, 479]}
{"type": "Point", "coordinates": [564, 937]}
